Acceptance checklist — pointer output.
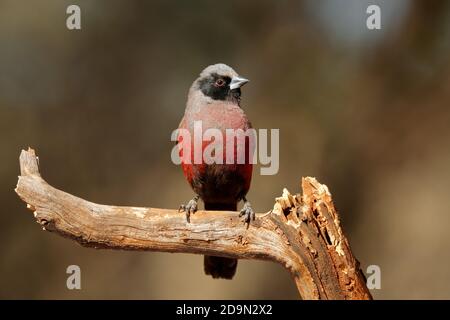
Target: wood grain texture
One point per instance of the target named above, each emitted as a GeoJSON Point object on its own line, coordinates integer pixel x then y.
{"type": "Point", "coordinates": [301, 232]}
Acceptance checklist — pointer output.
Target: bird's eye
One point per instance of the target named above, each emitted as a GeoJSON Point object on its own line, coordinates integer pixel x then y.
{"type": "Point", "coordinates": [219, 83]}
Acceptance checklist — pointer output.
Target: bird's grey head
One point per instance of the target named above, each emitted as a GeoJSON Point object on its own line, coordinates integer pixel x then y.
{"type": "Point", "coordinates": [220, 82]}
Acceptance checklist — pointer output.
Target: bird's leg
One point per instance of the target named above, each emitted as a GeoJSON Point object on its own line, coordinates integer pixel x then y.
{"type": "Point", "coordinates": [189, 208]}
{"type": "Point", "coordinates": [247, 211]}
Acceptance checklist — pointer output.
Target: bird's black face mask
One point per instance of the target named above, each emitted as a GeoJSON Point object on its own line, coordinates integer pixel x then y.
{"type": "Point", "coordinates": [218, 88]}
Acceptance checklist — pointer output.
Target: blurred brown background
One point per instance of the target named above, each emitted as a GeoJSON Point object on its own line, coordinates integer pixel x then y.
{"type": "Point", "coordinates": [366, 112]}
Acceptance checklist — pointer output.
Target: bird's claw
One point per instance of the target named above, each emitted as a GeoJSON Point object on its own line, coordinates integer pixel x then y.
{"type": "Point", "coordinates": [247, 212]}
{"type": "Point", "coordinates": [189, 208]}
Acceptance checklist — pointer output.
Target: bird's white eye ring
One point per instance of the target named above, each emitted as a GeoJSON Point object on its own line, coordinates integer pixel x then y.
{"type": "Point", "coordinates": [219, 83]}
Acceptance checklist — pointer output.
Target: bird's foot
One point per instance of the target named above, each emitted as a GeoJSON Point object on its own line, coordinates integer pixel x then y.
{"type": "Point", "coordinates": [189, 208]}
{"type": "Point", "coordinates": [247, 212]}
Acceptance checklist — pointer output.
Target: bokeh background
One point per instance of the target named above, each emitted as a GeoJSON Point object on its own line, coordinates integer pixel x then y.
{"type": "Point", "coordinates": [366, 112]}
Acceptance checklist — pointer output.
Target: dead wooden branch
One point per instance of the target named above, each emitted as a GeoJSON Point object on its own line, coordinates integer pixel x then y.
{"type": "Point", "coordinates": [302, 232]}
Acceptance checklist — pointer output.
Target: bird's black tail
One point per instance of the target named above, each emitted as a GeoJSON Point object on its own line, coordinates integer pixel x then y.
{"type": "Point", "coordinates": [220, 267]}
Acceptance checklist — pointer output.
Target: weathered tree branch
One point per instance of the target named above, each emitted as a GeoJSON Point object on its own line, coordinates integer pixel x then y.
{"type": "Point", "coordinates": [302, 232]}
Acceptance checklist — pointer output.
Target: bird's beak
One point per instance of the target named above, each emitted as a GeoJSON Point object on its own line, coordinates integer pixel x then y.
{"type": "Point", "coordinates": [237, 82]}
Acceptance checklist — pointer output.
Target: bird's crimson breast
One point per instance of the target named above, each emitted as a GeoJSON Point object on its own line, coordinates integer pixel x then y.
{"type": "Point", "coordinates": [218, 183]}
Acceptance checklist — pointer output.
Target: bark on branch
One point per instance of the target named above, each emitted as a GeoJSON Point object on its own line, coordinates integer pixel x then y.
{"type": "Point", "coordinates": [302, 232]}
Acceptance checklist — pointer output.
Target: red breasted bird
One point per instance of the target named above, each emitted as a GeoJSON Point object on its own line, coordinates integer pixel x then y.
{"type": "Point", "coordinates": [214, 99]}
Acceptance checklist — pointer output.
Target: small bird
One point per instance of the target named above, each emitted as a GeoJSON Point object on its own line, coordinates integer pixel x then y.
{"type": "Point", "coordinates": [214, 99]}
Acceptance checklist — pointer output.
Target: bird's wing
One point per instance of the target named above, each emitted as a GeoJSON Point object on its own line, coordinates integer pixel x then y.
{"type": "Point", "coordinates": [181, 125]}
